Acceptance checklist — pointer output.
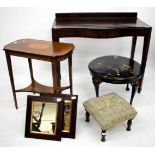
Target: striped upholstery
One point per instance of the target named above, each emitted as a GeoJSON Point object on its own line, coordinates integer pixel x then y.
{"type": "Point", "coordinates": [109, 110]}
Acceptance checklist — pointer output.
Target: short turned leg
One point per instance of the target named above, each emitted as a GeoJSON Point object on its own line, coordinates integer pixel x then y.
{"type": "Point", "coordinates": [129, 123]}
{"type": "Point", "coordinates": [87, 116]}
{"type": "Point", "coordinates": [103, 134]}
{"type": "Point", "coordinates": [127, 87]}
{"type": "Point", "coordinates": [96, 85]}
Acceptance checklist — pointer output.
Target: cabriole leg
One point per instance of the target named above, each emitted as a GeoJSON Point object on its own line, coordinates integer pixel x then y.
{"type": "Point", "coordinates": [134, 89]}
{"type": "Point", "coordinates": [96, 85]}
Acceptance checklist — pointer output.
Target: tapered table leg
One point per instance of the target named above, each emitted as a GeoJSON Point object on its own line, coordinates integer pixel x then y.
{"type": "Point", "coordinates": [133, 47]}
{"type": "Point", "coordinates": [8, 58]}
{"type": "Point", "coordinates": [31, 70]}
{"type": "Point", "coordinates": [70, 73]}
{"type": "Point", "coordinates": [144, 56]}
{"type": "Point", "coordinates": [57, 68]}
{"type": "Point", "coordinates": [55, 76]}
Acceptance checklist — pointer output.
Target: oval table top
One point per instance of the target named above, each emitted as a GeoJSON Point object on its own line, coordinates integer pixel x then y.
{"type": "Point", "coordinates": [115, 69]}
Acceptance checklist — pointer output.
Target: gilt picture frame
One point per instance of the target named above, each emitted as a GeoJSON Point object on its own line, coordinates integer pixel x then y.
{"type": "Point", "coordinates": [44, 117]}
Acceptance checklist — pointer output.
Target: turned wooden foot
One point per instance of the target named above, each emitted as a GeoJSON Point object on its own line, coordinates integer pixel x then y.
{"type": "Point", "coordinates": [127, 87]}
{"type": "Point", "coordinates": [129, 123]}
{"type": "Point", "coordinates": [103, 134]}
{"type": "Point", "coordinates": [87, 116]}
{"type": "Point", "coordinates": [139, 90]}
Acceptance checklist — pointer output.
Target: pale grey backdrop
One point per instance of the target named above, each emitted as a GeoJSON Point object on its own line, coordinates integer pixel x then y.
{"type": "Point", "coordinates": [17, 23]}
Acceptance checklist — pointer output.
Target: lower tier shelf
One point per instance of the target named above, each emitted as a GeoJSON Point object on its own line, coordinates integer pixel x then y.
{"type": "Point", "coordinates": [39, 88]}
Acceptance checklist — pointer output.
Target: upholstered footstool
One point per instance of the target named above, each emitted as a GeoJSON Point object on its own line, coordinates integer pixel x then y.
{"type": "Point", "coordinates": [109, 110]}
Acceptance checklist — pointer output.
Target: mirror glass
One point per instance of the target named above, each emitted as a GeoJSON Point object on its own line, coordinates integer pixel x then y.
{"type": "Point", "coordinates": [67, 115]}
{"type": "Point", "coordinates": [43, 119]}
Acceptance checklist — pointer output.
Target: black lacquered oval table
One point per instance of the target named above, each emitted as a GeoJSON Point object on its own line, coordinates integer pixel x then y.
{"type": "Point", "coordinates": [116, 70]}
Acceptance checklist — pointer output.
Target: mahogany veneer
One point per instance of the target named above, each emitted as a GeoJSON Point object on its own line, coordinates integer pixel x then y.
{"type": "Point", "coordinates": [103, 25]}
{"type": "Point", "coordinates": [53, 52]}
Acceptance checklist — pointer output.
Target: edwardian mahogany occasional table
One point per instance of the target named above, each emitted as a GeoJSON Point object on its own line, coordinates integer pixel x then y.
{"type": "Point", "coordinates": [40, 50]}
{"type": "Point", "coordinates": [103, 25]}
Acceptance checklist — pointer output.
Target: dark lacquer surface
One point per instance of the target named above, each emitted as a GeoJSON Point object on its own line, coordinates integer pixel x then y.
{"type": "Point", "coordinates": [115, 69]}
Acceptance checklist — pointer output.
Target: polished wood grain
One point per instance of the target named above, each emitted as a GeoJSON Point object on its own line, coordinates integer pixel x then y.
{"type": "Point", "coordinates": [36, 87]}
{"type": "Point", "coordinates": [103, 25]}
{"type": "Point", "coordinates": [98, 25]}
{"type": "Point", "coordinates": [39, 48]}
{"type": "Point", "coordinates": [53, 52]}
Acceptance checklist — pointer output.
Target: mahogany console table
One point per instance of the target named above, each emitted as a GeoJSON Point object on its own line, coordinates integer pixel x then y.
{"type": "Point", "coordinates": [102, 25]}
{"type": "Point", "coordinates": [40, 50]}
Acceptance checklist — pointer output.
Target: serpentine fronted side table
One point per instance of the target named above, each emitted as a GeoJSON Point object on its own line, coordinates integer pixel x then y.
{"type": "Point", "coordinates": [103, 25]}
{"type": "Point", "coordinates": [115, 70]}
{"type": "Point", "coordinates": [40, 50]}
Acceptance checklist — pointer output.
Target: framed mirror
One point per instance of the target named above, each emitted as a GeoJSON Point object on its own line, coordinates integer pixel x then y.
{"type": "Point", "coordinates": [44, 117]}
{"type": "Point", "coordinates": [69, 114]}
